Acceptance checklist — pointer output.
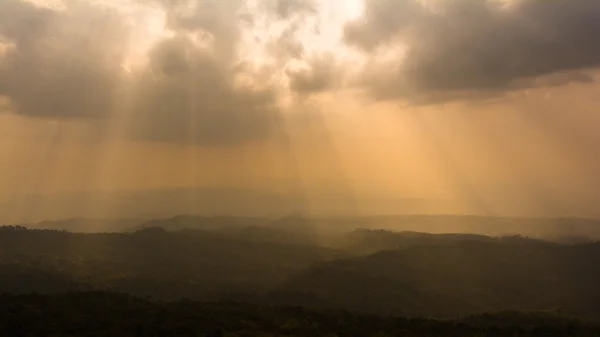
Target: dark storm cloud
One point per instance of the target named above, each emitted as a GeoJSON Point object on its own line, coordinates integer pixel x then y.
{"type": "Point", "coordinates": [63, 63]}
{"type": "Point", "coordinates": [188, 95]}
{"type": "Point", "coordinates": [461, 48]}
{"type": "Point", "coordinates": [68, 64]}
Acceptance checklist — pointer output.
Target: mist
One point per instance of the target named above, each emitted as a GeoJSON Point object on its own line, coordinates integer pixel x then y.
{"type": "Point", "coordinates": [299, 167]}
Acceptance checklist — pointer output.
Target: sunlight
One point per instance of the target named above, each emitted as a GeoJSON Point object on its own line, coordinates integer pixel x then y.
{"type": "Point", "coordinates": [50, 4]}
{"type": "Point", "coordinates": [148, 28]}
{"type": "Point", "coordinates": [330, 21]}
{"type": "Point", "coordinates": [349, 9]}
{"type": "Point", "coordinates": [317, 34]}
{"type": "Point", "coordinates": [299, 167]}
{"type": "Point", "coordinates": [5, 47]}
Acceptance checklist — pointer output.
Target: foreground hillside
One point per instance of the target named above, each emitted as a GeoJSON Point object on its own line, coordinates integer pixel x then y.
{"type": "Point", "coordinates": [109, 314]}
{"type": "Point", "coordinates": [462, 277]}
{"type": "Point", "coordinates": [380, 272]}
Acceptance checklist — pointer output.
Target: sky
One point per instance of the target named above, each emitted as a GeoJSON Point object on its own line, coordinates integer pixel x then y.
{"type": "Point", "coordinates": [327, 106]}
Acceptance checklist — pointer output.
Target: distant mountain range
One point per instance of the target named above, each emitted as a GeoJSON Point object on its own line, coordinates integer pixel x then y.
{"type": "Point", "coordinates": [566, 230]}
{"type": "Point", "coordinates": [161, 203]}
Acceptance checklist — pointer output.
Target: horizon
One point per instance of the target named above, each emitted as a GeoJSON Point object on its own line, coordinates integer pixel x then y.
{"type": "Point", "coordinates": [239, 202]}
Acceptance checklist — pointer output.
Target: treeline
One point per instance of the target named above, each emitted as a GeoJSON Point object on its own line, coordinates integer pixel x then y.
{"type": "Point", "coordinates": [110, 314]}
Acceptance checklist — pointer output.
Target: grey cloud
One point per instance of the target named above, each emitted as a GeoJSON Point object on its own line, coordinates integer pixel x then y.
{"type": "Point", "coordinates": [221, 19]}
{"type": "Point", "coordinates": [382, 21]}
{"type": "Point", "coordinates": [552, 80]}
{"type": "Point", "coordinates": [63, 63]}
{"type": "Point", "coordinates": [465, 48]}
{"type": "Point", "coordinates": [562, 78]}
{"type": "Point", "coordinates": [67, 64]}
{"type": "Point", "coordinates": [322, 72]}
{"type": "Point", "coordinates": [293, 15]}
{"type": "Point", "coordinates": [322, 75]}
{"type": "Point", "coordinates": [287, 45]}
{"type": "Point", "coordinates": [287, 8]}
{"type": "Point", "coordinates": [189, 95]}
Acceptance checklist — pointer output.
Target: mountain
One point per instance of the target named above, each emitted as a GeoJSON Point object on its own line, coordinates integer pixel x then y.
{"type": "Point", "coordinates": [149, 262]}
{"type": "Point", "coordinates": [455, 277]}
{"type": "Point", "coordinates": [373, 271]}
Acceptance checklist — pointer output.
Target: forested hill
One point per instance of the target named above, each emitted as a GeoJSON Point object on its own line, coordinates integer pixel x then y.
{"type": "Point", "coordinates": [462, 278]}
{"type": "Point", "coordinates": [382, 272]}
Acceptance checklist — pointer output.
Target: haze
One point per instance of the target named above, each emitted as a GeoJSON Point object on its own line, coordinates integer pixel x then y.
{"type": "Point", "coordinates": [299, 168]}
{"type": "Point", "coordinates": [312, 107]}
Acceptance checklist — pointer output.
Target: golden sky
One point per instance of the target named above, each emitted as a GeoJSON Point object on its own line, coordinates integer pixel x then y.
{"type": "Point", "coordinates": [353, 105]}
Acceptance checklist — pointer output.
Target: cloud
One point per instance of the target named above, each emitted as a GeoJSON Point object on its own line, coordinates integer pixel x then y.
{"type": "Point", "coordinates": [219, 19]}
{"type": "Point", "coordinates": [188, 95]}
{"type": "Point", "coordinates": [322, 74]}
{"type": "Point", "coordinates": [67, 63]}
{"type": "Point", "coordinates": [286, 8]}
{"type": "Point", "coordinates": [286, 45]}
{"type": "Point", "coordinates": [307, 70]}
{"type": "Point", "coordinates": [62, 63]}
{"type": "Point", "coordinates": [382, 20]}
{"type": "Point", "coordinates": [461, 48]}
{"type": "Point", "coordinates": [194, 92]}
{"type": "Point", "coordinates": [207, 80]}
